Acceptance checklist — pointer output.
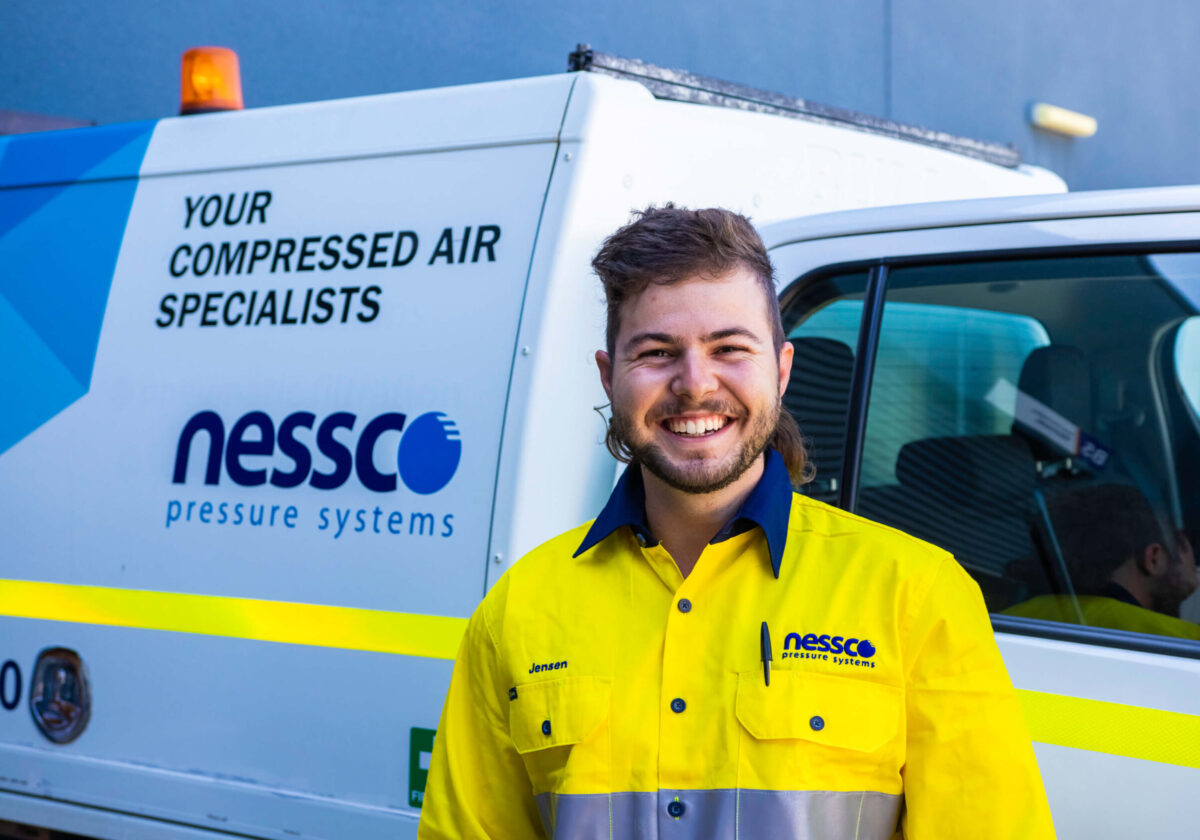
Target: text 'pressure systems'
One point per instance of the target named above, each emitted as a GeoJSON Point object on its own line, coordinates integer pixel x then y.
{"type": "Point", "coordinates": [373, 254]}
{"type": "Point", "coordinates": [382, 454]}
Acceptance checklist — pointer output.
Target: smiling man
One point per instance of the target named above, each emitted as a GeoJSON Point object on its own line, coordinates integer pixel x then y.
{"type": "Point", "coordinates": [716, 656]}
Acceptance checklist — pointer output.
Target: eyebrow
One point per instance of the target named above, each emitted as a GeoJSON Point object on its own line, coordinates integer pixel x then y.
{"type": "Point", "coordinates": [732, 332]}
{"type": "Point", "coordinates": [666, 338]}
{"type": "Point", "coordinates": [650, 337]}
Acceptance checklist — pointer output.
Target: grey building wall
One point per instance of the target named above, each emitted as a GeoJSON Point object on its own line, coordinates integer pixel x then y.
{"type": "Point", "coordinates": [965, 66]}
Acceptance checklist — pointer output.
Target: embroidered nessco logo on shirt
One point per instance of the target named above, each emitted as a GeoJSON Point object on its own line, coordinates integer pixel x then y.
{"type": "Point", "coordinates": [840, 650]}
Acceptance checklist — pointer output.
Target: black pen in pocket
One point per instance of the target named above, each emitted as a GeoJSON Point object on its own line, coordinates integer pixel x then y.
{"type": "Point", "coordinates": [765, 649]}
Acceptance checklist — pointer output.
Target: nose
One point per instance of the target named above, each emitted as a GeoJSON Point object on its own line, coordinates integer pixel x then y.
{"type": "Point", "coordinates": [695, 377]}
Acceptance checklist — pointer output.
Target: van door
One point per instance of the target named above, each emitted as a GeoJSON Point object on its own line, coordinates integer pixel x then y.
{"type": "Point", "coordinates": [1025, 395]}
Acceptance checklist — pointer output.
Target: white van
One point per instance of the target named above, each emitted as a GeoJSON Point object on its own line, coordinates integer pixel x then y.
{"type": "Point", "coordinates": [286, 390]}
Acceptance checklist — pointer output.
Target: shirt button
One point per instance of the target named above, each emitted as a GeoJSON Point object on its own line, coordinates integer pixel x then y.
{"type": "Point", "coordinates": [675, 809]}
{"type": "Point", "coordinates": [641, 540]}
{"type": "Point", "coordinates": [817, 723]}
{"type": "Point", "coordinates": [677, 705]}
{"type": "Point", "coordinates": [546, 727]}
{"type": "Point", "coordinates": [684, 605]}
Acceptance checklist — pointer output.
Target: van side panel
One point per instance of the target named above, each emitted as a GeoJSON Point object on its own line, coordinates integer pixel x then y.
{"type": "Point", "coordinates": [262, 515]}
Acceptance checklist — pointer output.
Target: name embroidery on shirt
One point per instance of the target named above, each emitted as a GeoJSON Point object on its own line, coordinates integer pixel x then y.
{"type": "Point", "coordinates": [547, 666]}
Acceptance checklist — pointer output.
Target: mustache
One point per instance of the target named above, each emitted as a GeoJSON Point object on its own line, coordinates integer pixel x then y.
{"type": "Point", "coordinates": [678, 407]}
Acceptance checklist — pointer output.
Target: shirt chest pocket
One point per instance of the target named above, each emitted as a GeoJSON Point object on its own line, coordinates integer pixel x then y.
{"type": "Point", "coordinates": [810, 731]}
{"type": "Point", "coordinates": [560, 729]}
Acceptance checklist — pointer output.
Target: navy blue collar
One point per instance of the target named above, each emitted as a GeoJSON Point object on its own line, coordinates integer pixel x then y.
{"type": "Point", "coordinates": [1112, 589]}
{"type": "Point", "coordinates": [768, 506]}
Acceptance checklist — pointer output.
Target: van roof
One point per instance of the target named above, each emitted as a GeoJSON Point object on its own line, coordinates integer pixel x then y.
{"type": "Point", "coordinates": [682, 86]}
{"type": "Point", "coordinates": [979, 211]}
{"type": "Point", "coordinates": [492, 113]}
{"type": "Point", "coordinates": [500, 113]}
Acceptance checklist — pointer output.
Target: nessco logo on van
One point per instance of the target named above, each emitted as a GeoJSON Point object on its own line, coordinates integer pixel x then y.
{"type": "Point", "coordinates": [426, 458]}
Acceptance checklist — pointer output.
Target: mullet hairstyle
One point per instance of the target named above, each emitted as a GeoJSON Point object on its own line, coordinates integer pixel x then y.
{"type": "Point", "coordinates": [669, 244]}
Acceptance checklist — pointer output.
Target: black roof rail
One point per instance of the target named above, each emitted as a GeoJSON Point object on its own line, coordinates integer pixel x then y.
{"type": "Point", "coordinates": [681, 86]}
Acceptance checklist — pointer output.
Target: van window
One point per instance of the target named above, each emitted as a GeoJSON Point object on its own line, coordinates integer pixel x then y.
{"type": "Point", "coordinates": [1029, 417]}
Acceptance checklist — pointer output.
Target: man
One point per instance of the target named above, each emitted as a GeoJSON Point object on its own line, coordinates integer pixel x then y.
{"type": "Point", "coordinates": [715, 656]}
{"type": "Point", "coordinates": [1126, 574]}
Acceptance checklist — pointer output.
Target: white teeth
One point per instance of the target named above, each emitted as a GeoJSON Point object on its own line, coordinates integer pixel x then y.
{"type": "Point", "coordinates": [702, 426]}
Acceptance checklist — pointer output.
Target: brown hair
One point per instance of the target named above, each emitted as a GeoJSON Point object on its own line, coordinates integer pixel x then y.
{"type": "Point", "coordinates": [669, 244]}
{"type": "Point", "coordinates": [1101, 526]}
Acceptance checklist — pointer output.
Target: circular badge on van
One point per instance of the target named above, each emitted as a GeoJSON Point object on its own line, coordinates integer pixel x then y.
{"type": "Point", "coordinates": [429, 453]}
{"type": "Point", "coordinates": [59, 697]}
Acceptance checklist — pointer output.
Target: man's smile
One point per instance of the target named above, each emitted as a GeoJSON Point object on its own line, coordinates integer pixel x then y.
{"type": "Point", "coordinates": [705, 425]}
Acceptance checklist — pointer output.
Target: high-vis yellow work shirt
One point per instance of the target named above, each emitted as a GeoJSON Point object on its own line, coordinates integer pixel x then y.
{"type": "Point", "coordinates": [600, 694]}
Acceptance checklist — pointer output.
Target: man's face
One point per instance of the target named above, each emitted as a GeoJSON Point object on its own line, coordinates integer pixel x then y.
{"type": "Point", "coordinates": [695, 381]}
{"type": "Point", "coordinates": [1171, 588]}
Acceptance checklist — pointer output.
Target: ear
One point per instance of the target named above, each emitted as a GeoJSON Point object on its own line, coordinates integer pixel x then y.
{"type": "Point", "coordinates": [785, 366]}
{"type": "Point", "coordinates": [604, 363]}
{"type": "Point", "coordinates": [1154, 560]}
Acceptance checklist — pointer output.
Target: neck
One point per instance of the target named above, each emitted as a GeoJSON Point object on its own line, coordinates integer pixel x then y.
{"type": "Point", "coordinates": [1133, 582]}
{"type": "Point", "coordinates": [686, 522]}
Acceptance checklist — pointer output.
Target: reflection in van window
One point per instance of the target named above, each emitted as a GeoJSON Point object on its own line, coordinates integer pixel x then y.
{"type": "Point", "coordinates": [1128, 571]}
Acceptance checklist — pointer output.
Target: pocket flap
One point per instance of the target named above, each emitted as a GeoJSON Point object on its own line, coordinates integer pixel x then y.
{"type": "Point", "coordinates": [839, 712]}
{"type": "Point", "coordinates": [556, 713]}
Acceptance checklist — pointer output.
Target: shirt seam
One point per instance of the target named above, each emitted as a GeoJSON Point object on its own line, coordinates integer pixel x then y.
{"type": "Point", "coordinates": [869, 523]}
{"type": "Point", "coordinates": [912, 615]}
{"type": "Point", "coordinates": [487, 625]}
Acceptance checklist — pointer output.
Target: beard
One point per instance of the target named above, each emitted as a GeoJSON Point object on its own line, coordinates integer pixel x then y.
{"type": "Point", "coordinates": [1171, 590]}
{"type": "Point", "coordinates": [695, 476]}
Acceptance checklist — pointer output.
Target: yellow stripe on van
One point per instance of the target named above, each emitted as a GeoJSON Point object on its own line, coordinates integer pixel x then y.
{"type": "Point", "coordinates": [1114, 728]}
{"type": "Point", "coordinates": [410, 634]}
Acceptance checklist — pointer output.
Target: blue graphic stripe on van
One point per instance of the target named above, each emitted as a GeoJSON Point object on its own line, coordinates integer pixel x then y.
{"type": "Point", "coordinates": [59, 157]}
{"type": "Point", "coordinates": [320, 625]}
{"type": "Point", "coordinates": [65, 199]}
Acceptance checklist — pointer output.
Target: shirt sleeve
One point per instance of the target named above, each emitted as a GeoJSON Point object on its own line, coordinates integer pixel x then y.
{"type": "Point", "coordinates": [970, 769]}
{"type": "Point", "coordinates": [477, 786]}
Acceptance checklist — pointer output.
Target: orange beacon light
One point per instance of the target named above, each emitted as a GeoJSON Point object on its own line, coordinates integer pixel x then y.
{"type": "Point", "coordinates": [211, 81]}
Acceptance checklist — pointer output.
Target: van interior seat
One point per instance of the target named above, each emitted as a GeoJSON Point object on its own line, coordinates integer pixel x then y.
{"type": "Point", "coordinates": [972, 495]}
{"type": "Point", "coordinates": [818, 396]}
{"type": "Point", "coordinates": [1059, 377]}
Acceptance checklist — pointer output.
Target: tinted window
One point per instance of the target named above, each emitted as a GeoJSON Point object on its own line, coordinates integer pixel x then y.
{"type": "Point", "coordinates": [937, 373]}
{"type": "Point", "coordinates": [1038, 418]}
